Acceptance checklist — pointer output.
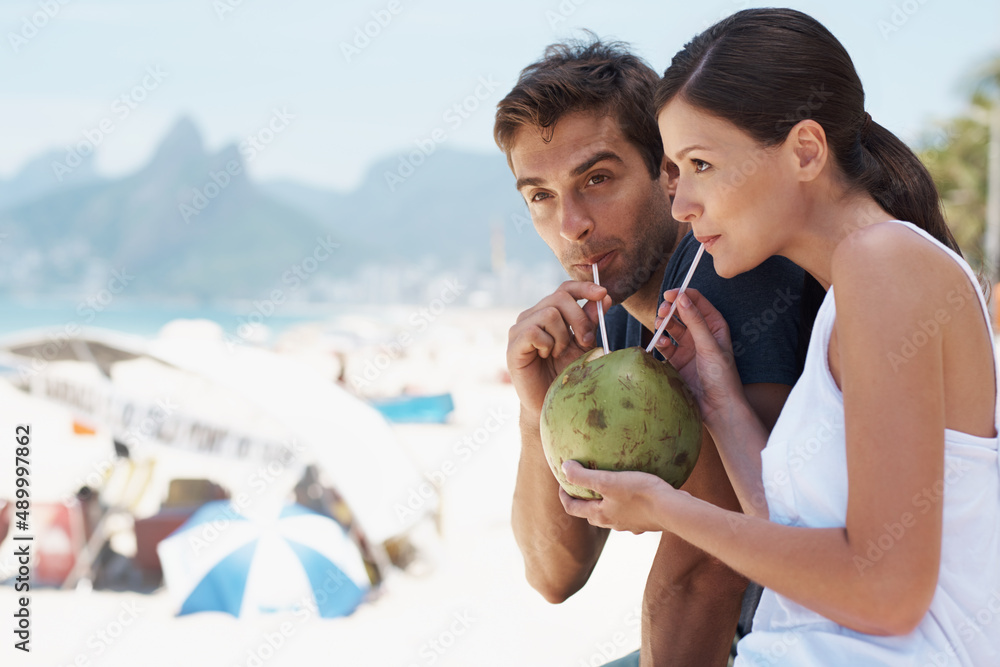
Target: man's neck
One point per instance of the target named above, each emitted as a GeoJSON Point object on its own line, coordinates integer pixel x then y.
{"type": "Point", "coordinates": [642, 304]}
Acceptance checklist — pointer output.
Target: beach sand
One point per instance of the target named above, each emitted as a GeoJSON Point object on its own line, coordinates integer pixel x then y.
{"type": "Point", "coordinates": [466, 605]}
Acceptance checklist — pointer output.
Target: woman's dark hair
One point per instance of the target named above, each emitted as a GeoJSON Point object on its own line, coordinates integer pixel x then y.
{"type": "Point", "coordinates": [764, 70]}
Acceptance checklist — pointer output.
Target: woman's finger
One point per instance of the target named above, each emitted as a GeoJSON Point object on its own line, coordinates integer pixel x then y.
{"type": "Point", "coordinates": [698, 329]}
{"type": "Point", "coordinates": [585, 477]}
{"type": "Point", "coordinates": [713, 318]}
{"type": "Point", "coordinates": [582, 508]}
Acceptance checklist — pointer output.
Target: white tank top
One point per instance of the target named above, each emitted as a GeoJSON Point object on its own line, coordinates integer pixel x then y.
{"type": "Point", "coordinates": [805, 482]}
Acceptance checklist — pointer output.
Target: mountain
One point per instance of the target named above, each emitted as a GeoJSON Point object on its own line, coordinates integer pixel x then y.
{"type": "Point", "coordinates": [446, 209]}
{"type": "Point", "coordinates": [188, 224]}
{"type": "Point", "coordinates": [55, 170]}
{"type": "Point", "coordinates": [191, 224]}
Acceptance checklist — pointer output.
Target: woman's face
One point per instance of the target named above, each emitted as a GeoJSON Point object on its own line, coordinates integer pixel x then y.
{"type": "Point", "coordinates": [742, 200]}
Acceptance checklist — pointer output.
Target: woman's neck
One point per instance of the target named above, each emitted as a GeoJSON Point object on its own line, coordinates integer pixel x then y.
{"type": "Point", "coordinates": [825, 224]}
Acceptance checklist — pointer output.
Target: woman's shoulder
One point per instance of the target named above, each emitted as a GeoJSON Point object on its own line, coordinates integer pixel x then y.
{"type": "Point", "coordinates": [891, 237]}
{"type": "Point", "coordinates": [888, 278]}
{"type": "Point", "coordinates": [889, 253]}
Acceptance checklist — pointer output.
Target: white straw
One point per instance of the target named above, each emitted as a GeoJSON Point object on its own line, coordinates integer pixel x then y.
{"type": "Point", "coordinates": [673, 306]}
{"type": "Point", "coordinates": [600, 314]}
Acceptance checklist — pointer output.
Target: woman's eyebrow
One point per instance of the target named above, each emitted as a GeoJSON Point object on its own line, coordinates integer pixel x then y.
{"type": "Point", "coordinates": [695, 147]}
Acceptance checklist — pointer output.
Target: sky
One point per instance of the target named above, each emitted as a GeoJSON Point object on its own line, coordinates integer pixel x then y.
{"type": "Point", "coordinates": [350, 83]}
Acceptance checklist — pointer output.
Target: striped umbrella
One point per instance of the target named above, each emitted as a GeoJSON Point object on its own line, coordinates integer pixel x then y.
{"type": "Point", "coordinates": [222, 560]}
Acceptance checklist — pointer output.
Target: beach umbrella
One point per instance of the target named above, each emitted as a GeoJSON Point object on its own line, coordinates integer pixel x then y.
{"type": "Point", "coordinates": [222, 560]}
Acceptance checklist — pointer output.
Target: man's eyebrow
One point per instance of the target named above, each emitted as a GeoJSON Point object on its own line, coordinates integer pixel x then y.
{"type": "Point", "coordinates": [530, 180]}
{"type": "Point", "coordinates": [580, 169]}
{"type": "Point", "coordinates": [695, 147]}
{"type": "Point", "coordinates": [594, 159]}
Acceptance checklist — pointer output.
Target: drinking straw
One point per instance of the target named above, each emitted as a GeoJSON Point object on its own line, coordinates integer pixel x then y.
{"type": "Point", "coordinates": [673, 306]}
{"type": "Point", "coordinates": [600, 314]}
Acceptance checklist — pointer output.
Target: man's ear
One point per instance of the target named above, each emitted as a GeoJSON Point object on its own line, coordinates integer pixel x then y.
{"type": "Point", "coordinates": [808, 148]}
{"type": "Point", "coordinates": [671, 172]}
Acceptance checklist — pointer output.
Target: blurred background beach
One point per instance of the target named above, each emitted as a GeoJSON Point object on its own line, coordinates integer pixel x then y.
{"type": "Point", "coordinates": [312, 189]}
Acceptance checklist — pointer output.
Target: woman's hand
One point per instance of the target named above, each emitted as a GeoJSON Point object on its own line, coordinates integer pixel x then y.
{"type": "Point", "coordinates": [703, 354]}
{"type": "Point", "coordinates": [633, 501]}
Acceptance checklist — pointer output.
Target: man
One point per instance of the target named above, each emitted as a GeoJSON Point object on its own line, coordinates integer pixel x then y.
{"type": "Point", "coordinates": [582, 141]}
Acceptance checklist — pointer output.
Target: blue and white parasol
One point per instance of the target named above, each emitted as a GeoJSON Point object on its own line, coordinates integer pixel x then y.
{"type": "Point", "coordinates": [221, 560]}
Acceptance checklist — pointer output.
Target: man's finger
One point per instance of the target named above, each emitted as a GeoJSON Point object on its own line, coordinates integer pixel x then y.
{"type": "Point", "coordinates": [590, 308]}
{"type": "Point", "coordinates": [578, 290]}
{"type": "Point", "coordinates": [530, 342]}
{"type": "Point", "coordinates": [576, 317]}
{"type": "Point", "coordinates": [553, 321]}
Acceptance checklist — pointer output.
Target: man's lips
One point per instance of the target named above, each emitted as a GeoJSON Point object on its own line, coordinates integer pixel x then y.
{"type": "Point", "coordinates": [601, 260]}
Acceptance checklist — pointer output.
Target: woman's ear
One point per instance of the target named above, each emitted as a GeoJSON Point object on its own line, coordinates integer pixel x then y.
{"type": "Point", "coordinates": [807, 143]}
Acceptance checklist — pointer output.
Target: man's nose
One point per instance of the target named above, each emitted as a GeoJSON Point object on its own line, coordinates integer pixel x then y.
{"type": "Point", "coordinates": [575, 222]}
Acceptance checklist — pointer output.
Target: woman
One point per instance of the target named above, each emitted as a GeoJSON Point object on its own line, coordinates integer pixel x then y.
{"type": "Point", "coordinates": [872, 517]}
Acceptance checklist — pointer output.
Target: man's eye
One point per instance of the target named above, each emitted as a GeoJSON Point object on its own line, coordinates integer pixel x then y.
{"type": "Point", "coordinates": [699, 165]}
{"type": "Point", "coordinates": [539, 196]}
{"type": "Point", "coordinates": [597, 178]}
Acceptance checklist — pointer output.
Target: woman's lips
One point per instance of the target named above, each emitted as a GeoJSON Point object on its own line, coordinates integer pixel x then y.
{"type": "Point", "coordinates": [708, 241]}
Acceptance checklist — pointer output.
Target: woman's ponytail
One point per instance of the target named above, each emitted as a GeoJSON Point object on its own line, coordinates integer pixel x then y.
{"type": "Point", "coordinates": [894, 176]}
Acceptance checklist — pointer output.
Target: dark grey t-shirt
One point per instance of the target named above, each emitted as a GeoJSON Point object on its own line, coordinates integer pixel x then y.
{"type": "Point", "coordinates": [761, 306]}
{"type": "Point", "coordinates": [763, 309]}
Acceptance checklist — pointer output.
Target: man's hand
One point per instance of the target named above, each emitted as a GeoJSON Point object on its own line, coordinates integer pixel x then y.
{"type": "Point", "coordinates": [548, 337]}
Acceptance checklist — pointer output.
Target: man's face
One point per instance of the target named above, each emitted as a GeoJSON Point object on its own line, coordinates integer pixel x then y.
{"type": "Point", "coordinates": [592, 200]}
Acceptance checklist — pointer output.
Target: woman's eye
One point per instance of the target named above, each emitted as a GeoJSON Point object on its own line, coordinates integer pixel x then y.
{"type": "Point", "coordinates": [700, 165]}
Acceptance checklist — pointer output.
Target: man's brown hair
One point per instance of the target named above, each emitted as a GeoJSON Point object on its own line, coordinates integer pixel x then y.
{"type": "Point", "coordinates": [591, 76]}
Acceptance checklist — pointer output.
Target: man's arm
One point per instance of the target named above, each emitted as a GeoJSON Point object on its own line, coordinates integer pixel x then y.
{"type": "Point", "coordinates": [559, 550]}
{"type": "Point", "coordinates": [692, 601]}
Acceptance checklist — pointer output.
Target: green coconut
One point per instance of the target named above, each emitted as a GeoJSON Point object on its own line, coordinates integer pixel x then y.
{"type": "Point", "coordinates": [621, 411]}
